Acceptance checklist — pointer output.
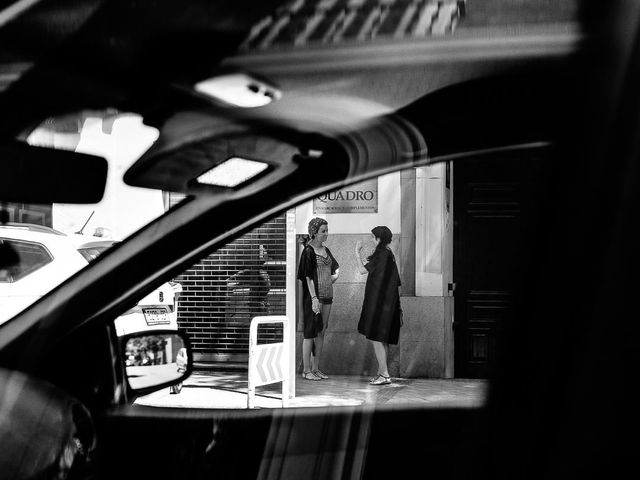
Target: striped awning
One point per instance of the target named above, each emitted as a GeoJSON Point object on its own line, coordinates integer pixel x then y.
{"type": "Point", "coordinates": [305, 22]}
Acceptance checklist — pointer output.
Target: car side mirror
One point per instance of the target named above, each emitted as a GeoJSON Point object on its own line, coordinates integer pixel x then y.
{"type": "Point", "coordinates": [156, 359]}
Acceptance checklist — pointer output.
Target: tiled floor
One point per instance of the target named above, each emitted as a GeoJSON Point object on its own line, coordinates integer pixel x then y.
{"type": "Point", "coordinates": [229, 390]}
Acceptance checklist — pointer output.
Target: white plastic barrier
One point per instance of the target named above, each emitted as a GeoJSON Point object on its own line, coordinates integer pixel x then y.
{"type": "Point", "coordinates": [268, 363]}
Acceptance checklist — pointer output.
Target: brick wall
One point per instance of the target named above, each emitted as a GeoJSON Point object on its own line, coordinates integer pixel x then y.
{"type": "Point", "coordinates": [225, 290]}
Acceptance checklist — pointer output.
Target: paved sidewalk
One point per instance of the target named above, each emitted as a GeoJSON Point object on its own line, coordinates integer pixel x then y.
{"type": "Point", "coordinates": [229, 390]}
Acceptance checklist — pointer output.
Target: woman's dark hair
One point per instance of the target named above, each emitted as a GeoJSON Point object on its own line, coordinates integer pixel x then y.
{"type": "Point", "coordinates": [385, 236]}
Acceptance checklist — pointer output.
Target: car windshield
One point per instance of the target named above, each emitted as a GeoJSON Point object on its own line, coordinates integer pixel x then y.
{"type": "Point", "coordinates": [64, 233]}
{"type": "Point", "coordinates": [121, 139]}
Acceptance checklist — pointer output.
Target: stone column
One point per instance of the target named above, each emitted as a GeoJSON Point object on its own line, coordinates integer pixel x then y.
{"type": "Point", "coordinates": [426, 339]}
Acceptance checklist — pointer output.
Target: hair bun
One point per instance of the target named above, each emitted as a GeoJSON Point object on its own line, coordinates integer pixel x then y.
{"type": "Point", "coordinates": [383, 233]}
{"type": "Point", "coordinates": [314, 225]}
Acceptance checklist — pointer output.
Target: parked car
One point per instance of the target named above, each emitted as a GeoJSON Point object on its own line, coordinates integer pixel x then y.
{"type": "Point", "coordinates": [48, 257]}
{"type": "Point", "coordinates": [157, 310]}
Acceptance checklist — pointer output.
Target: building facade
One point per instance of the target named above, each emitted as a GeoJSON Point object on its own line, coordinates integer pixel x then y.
{"type": "Point", "coordinates": [416, 205]}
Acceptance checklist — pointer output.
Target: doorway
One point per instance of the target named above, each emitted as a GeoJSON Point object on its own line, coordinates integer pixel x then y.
{"type": "Point", "coordinates": [494, 199]}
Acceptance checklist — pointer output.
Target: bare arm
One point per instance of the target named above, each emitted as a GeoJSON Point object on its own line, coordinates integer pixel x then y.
{"type": "Point", "coordinates": [315, 303]}
{"type": "Point", "coordinates": [359, 263]}
{"type": "Point", "coordinates": [335, 276]}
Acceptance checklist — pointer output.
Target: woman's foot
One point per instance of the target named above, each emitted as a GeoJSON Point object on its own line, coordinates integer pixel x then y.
{"type": "Point", "coordinates": [318, 373]}
{"type": "Point", "coordinates": [311, 376]}
{"type": "Point", "coordinates": [381, 380]}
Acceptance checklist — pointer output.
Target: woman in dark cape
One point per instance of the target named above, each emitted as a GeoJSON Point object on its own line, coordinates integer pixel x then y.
{"type": "Point", "coordinates": [381, 315]}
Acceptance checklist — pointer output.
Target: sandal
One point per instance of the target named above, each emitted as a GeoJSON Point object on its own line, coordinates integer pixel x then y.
{"type": "Point", "coordinates": [381, 380]}
{"type": "Point", "coordinates": [318, 373]}
{"type": "Point", "coordinates": [311, 376]}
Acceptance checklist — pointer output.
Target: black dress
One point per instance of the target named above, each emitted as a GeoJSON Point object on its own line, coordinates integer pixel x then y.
{"type": "Point", "coordinates": [380, 317]}
{"type": "Point", "coordinates": [308, 267]}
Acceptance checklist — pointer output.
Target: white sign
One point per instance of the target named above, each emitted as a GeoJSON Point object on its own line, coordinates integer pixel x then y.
{"type": "Point", "coordinates": [359, 198]}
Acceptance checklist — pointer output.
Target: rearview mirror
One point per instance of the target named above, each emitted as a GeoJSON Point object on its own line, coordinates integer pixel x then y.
{"type": "Point", "coordinates": [45, 175]}
{"type": "Point", "coordinates": [156, 359]}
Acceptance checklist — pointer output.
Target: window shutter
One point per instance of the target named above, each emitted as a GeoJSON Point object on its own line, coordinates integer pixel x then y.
{"type": "Point", "coordinates": [224, 291]}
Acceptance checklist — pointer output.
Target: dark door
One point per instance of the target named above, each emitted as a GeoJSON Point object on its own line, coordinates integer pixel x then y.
{"type": "Point", "coordinates": [493, 199]}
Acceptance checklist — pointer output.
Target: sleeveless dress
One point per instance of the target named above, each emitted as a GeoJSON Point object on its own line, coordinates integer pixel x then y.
{"type": "Point", "coordinates": [308, 267]}
{"type": "Point", "coordinates": [325, 286]}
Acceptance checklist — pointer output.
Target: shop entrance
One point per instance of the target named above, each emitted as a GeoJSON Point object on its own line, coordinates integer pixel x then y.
{"type": "Point", "coordinates": [493, 200]}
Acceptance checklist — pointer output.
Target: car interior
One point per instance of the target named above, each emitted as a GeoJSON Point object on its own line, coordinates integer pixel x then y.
{"type": "Point", "coordinates": [526, 81]}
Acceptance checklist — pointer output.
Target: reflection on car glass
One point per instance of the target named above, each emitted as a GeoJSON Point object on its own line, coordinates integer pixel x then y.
{"type": "Point", "coordinates": [31, 257]}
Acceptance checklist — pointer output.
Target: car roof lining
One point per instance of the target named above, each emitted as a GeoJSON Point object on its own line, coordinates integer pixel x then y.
{"type": "Point", "coordinates": [472, 115]}
{"type": "Point", "coordinates": [192, 143]}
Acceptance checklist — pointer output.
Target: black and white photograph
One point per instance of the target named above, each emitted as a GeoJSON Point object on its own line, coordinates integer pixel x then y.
{"type": "Point", "coordinates": [319, 239]}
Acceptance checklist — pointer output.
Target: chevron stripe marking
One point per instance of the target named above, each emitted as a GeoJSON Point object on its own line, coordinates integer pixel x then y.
{"type": "Point", "coordinates": [278, 366]}
{"type": "Point", "coordinates": [260, 365]}
{"type": "Point", "coordinates": [268, 363]}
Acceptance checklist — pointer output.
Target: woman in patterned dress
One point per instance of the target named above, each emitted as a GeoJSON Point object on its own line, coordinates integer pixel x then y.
{"type": "Point", "coordinates": [318, 271]}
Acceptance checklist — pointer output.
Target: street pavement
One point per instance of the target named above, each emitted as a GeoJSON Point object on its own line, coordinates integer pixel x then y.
{"type": "Point", "coordinates": [228, 390]}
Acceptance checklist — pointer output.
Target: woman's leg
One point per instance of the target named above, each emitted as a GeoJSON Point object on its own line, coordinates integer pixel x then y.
{"type": "Point", "coordinates": [381, 356]}
{"type": "Point", "coordinates": [307, 343]}
{"type": "Point", "coordinates": [325, 309]}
